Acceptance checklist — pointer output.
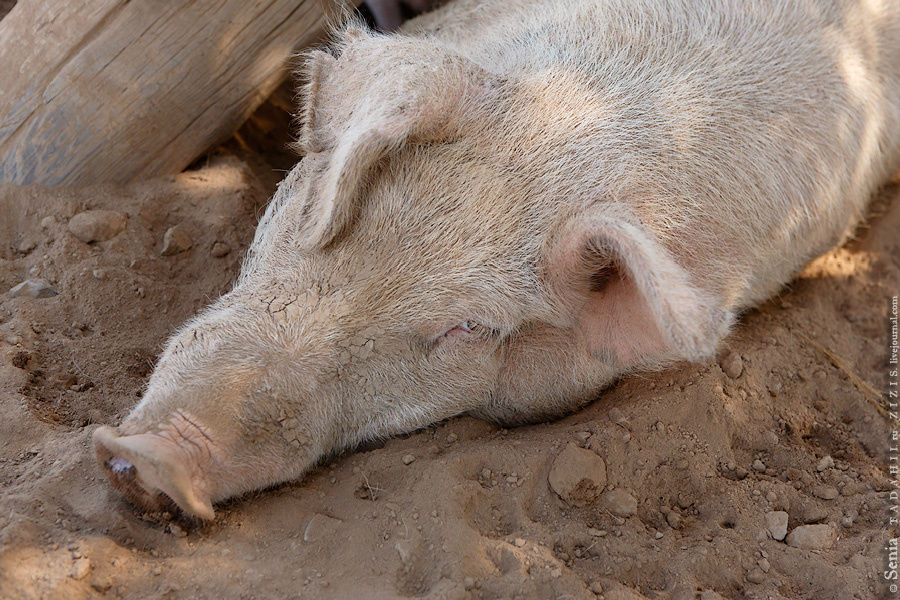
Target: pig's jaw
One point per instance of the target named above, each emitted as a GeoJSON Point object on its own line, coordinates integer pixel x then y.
{"type": "Point", "coordinates": [167, 464]}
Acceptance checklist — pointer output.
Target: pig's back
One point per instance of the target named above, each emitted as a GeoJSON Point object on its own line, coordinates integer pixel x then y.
{"type": "Point", "coordinates": [748, 136]}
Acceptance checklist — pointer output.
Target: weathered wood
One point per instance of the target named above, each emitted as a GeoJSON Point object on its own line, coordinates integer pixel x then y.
{"type": "Point", "coordinates": [110, 90]}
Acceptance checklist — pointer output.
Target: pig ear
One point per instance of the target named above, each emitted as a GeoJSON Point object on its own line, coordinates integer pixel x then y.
{"type": "Point", "coordinates": [159, 467]}
{"type": "Point", "coordinates": [630, 296]}
{"type": "Point", "coordinates": [377, 95]}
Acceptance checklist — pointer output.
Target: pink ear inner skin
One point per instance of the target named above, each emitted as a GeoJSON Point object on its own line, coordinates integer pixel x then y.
{"type": "Point", "coordinates": [618, 320]}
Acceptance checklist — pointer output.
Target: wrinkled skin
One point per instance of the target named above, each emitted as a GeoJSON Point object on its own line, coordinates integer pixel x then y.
{"type": "Point", "coordinates": [505, 207]}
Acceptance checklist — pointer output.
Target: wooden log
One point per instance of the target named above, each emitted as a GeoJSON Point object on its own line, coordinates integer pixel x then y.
{"type": "Point", "coordinates": [111, 90]}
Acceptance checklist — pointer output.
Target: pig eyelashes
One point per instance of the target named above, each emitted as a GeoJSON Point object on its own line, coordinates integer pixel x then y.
{"type": "Point", "coordinates": [470, 331]}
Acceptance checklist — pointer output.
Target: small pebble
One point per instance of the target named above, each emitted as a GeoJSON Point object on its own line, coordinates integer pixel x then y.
{"type": "Point", "coordinates": [97, 225]}
{"type": "Point", "coordinates": [758, 465]}
{"type": "Point", "coordinates": [101, 583]}
{"type": "Point", "coordinates": [825, 492]}
{"type": "Point", "coordinates": [582, 436]}
{"type": "Point", "coordinates": [616, 416]}
{"type": "Point", "coordinates": [776, 524]}
{"type": "Point", "coordinates": [620, 503]}
{"type": "Point", "coordinates": [80, 568]}
{"type": "Point", "coordinates": [519, 542]}
{"type": "Point", "coordinates": [177, 239]}
{"type": "Point", "coordinates": [826, 463]}
{"type": "Point", "coordinates": [220, 249]}
{"type": "Point", "coordinates": [408, 459]}
{"type": "Point", "coordinates": [596, 587]}
{"type": "Point", "coordinates": [578, 476]}
{"type": "Point", "coordinates": [33, 288]}
{"type": "Point", "coordinates": [732, 365]}
{"type": "Point", "coordinates": [673, 519]}
{"type": "Point", "coordinates": [756, 576]}
{"type": "Point", "coordinates": [811, 537]}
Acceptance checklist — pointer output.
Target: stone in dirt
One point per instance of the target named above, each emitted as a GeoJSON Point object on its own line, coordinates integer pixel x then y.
{"type": "Point", "coordinates": [756, 576]}
{"type": "Point", "coordinates": [33, 288]}
{"type": "Point", "coordinates": [578, 476]}
{"type": "Point", "coordinates": [732, 364]}
{"type": "Point", "coordinates": [220, 249]}
{"type": "Point", "coordinates": [776, 524]}
{"type": "Point", "coordinates": [80, 568]}
{"type": "Point", "coordinates": [177, 239]}
{"type": "Point", "coordinates": [825, 463]}
{"type": "Point", "coordinates": [97, 225]}
{"type": "Point", "coordinates": [812, 537]}
{"type": "Point", "coordinates": [825, 492]}
{"type": "Point", "coordinates": [620, 503]}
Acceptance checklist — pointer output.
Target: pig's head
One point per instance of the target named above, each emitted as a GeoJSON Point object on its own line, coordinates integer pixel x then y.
{"type": "Point", "coordinates": [424, 260]}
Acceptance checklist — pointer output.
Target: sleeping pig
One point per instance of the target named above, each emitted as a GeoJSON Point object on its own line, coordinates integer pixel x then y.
{"type": "Point", "coordinates": [508, 205]}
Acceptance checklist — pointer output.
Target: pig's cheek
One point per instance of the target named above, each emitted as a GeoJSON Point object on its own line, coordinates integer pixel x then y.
{"type": "Point", "coordinates": [537, 360]}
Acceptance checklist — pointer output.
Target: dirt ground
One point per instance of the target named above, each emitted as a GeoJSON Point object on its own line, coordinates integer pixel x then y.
{"type": "Point", "coordinates": [698, 454]}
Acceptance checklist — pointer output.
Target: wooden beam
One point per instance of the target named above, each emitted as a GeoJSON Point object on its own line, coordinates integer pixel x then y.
{"type": "Point", "coordinates": [111, 90]}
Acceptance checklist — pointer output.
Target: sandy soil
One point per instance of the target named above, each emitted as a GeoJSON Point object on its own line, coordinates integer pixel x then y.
{"type": "Point", "coordinates": [704, 455]}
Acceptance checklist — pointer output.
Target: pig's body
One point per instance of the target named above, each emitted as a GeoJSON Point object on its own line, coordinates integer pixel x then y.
{"type": "Point", "coordinates": [510, 204]}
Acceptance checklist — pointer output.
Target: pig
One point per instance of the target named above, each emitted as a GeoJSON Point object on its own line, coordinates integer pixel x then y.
{"type": "Point", "coordinates": [506, 206]}
{"type": "Point", "coordinates": [388, 14]}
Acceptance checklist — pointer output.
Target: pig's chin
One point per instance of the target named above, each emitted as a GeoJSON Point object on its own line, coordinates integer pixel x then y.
{"type": "Point", "coordinates": [153, 472]}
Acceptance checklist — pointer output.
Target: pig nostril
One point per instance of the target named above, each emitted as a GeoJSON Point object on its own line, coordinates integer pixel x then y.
{"type": "Point", "coordinates": [120, 468]}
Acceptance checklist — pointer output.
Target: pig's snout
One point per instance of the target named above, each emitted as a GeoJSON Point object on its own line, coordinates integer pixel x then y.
{"type": "Point", "coordinates": [151, 471]}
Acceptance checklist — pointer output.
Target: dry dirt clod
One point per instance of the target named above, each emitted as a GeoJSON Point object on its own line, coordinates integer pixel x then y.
{"type": "Point", "coordinates": [578, 476]}
{"type": "Point", "coordinates": [101, 583]}
{"type": "Point", "coordinates": [776, 524]}
{"type": "Point", "coordinates": [825, 492]}
{"type": "Point", "coordinates": [812, 537]}
{"type": "Point", "coordinates": [673, 519]}
{"type": "Point", "coordinates": [220, 249]}
{"type": "Point", "coordinates": [97, 225]}
{"type": "Point", "coordinates": [177, 239]}
{"type": "Point", "coordinates": [732, 365]}
{"type": "Point", "coordinates": [620, 503]}
{"type": "Point", "coordinates": [825, 463]}
{"type": "Point", "coordinates": [80, 568]}
{"type": "Point", "coordinates": [756, 576]}
{"type": "Point", "coordinates": [597, 587]}
{"type": "Point", "coordinates": [33, 288]}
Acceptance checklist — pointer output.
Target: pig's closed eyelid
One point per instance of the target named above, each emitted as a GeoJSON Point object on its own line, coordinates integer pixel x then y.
{"type": "Point", "coordinates": [469, 330]}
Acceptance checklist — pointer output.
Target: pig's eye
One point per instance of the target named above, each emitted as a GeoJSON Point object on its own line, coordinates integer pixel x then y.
{"type": "Point", "coordinates": [469, 330]}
